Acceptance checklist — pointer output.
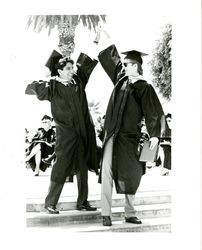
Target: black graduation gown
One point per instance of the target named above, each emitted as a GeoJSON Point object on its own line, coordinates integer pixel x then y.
{"type": "Point", "coordinates": [75, 135]}
{"type": "Point", "coordinates": [125, 111]}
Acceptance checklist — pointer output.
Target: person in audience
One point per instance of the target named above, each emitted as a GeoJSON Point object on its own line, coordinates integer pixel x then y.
{"type": "Point", "coordinates": [166, 145]}
{"type": "Point", "coordinates": [41, 146]}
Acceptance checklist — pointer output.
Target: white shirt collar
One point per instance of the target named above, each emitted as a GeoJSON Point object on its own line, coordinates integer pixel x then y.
{"type": "Point", "coordinates": [64, 81]}
{"type": "Point", "coordinates": [135, 79]}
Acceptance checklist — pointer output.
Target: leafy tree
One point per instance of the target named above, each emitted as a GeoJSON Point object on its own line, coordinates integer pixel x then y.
{"type": "Point", "coordinates": [161, 63]}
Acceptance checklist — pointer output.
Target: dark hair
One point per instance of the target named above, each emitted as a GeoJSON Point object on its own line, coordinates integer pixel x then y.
{"type": "Point", "coordinates": [62, 63]}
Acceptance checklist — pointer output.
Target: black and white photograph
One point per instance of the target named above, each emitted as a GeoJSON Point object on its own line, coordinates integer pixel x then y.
{"type": "Point", "coordinates": [85, 139]}
{"type": "Point", "coordinates": [99, 144]}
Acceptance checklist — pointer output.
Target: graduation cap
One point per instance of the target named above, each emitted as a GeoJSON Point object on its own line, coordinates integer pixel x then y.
{"type": "Point", "coordinates": [52, 61]}
{"type": "Point", "coordinates": [46, 117]}
{"type": "Point", "coordinates": [134, 55]}
{"type": "Point", "coordinates": [55, 59]}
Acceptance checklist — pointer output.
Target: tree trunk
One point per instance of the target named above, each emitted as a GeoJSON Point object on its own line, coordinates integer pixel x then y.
{"type": "Point", "coordinates": [66, 38]}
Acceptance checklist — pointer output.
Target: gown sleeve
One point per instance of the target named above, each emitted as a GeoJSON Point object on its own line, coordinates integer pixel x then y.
{"type": "Point", "coordinates": [111, 63]}
{"type": "Point", "coordinates": [42, 89]}
{"type": "Point", "coordinates": [53, 137]}
{"type": "Point", "coordinates": [153, 111]}
{"type": "Point", "coordinates": [85, 66]}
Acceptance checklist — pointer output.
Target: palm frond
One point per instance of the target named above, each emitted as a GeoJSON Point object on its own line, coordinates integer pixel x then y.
{"type": "Point", "coordinates": [36, 21]}
{"type": "Point", "coordinates": [83, 19]}
{"type": "Point", "coordinates": [103, 18]}
{"type": "Point", "coordinates": [29, 21]}
{"type": "Point", "coordinates": [41, 22]}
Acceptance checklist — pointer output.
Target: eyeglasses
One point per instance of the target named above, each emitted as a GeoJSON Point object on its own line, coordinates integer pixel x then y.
{"type": "Point", "coordinates": [68, 68]}
{"type": "Point", "coordinates": [126, 64]}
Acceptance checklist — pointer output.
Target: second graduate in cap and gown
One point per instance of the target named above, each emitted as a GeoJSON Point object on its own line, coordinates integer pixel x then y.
{"type": "Point", "coordinates": [132, 99]}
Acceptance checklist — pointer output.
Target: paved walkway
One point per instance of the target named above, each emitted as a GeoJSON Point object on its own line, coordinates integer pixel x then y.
{"type": "Point", "coordinates": [37, 186]}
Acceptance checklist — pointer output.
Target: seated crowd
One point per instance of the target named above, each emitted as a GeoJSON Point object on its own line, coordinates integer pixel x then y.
{"type": "Point", "coordinates": [40, 150]}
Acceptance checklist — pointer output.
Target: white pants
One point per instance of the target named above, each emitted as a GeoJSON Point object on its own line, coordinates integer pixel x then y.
{"type": "Point", "coordinates": [107, 185]}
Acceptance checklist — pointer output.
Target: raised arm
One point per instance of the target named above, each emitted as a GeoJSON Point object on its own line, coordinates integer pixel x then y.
{"type": "Point", "coordinates": [85, 66]}
{"type": "Point", "coordinates": [42, 90]}
{"type": "Point", "coordinates": [111, 63]}
{"type": "Point", "coordinates": [108, 56]}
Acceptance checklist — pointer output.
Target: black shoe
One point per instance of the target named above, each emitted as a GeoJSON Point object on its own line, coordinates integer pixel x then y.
{"type": "Point", "coordinates": [51, 210]}
{"type": "Point", "coordinates": [165, 174]}
{"type": "Point", "coordinates": [106, 221]}
{"type": "Point", "coordinates": [133, 220]}
{"type": "Point", "coordinates": [86, 206]}
{"type": "Point", "coordinates": [36, 173]}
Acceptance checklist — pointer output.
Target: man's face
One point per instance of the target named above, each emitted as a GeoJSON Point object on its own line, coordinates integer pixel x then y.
{"type": "Point", "coordinates": [67, 72]}
{"type": "Point", "coordinates": [130, 67]}
{"type": "Point", "coordinates": [46, 124]}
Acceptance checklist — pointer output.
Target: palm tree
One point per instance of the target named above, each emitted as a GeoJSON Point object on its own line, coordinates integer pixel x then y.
{"type": "Point", "coordinates": [66, 25]}
{"type": "Point", "coordinates": [94, 107]}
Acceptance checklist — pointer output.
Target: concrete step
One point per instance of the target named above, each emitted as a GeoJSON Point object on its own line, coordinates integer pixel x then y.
{"type": "Point", "coordinates": [148, 225]}
{"type": "Point", "coordinates": [43, 219]}
{"type": "Point", "coordinates": [69, 202]}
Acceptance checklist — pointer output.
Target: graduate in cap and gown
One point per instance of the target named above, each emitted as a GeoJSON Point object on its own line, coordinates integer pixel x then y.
{"type": "Point", "coordinates": [132, 99]}
{"type": "Point", "coordinates": [75, 146]}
